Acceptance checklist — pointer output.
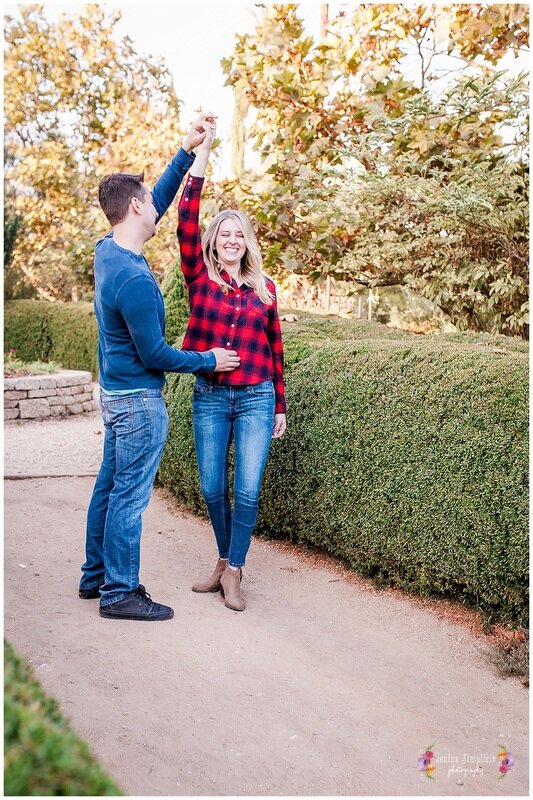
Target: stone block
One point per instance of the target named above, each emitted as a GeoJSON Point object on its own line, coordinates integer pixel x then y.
{"type": "Point", "coordinates": [11, 413]}
{"type": "Point", "coordinates": [75, 408]}
{"type": "Point", "coordinates": [66, 390]}
{"type": "Point", "coordinates": [12, 394]}
{"type": "Point", "coordinates": [57, 411]}
{"type": "Point", "coordinates": [68, 399]}
{"type": "Point", "coordinates": [11, 403]}
{"type": "Point", "coordinates": [73, 378]}
{"type": "Point", "coordinates": [10, 383]}
{"type": "Point", "coordinates": [42, 392]}
{"type": "Point", "coordinates": [47, 381]}
{"type": "Point", "coordinates": [57, 401]}
{"type": "Point", "coordinates": [88, 405]}
{"type": "Point", "coordinates": [34, 409]}
{"type": "Point", "coordinates": [29, 382]}
{"type": "Point", "coordinates": [83, 398]}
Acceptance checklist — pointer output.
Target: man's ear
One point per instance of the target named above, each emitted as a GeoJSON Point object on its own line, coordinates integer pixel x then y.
{"type": "Point", "coordinates": [135, 203]}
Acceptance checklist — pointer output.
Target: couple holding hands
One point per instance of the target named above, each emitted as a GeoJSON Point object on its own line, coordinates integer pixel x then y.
{"type": "Point", "coordinates": [233, 346]}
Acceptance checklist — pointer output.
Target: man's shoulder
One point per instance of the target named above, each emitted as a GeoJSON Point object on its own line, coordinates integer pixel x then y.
{"type": "Point", "coordinates": [104, 242]}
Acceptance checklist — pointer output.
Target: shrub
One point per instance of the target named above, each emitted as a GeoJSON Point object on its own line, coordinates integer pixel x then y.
{"type": "Point", "coordinates": [405, 456]}
{"type": "Point", "coordinates": [174, 291]}
{"type": "Point", "coordinates": [43, 756]}
{"type": "Point", "coordinates": [61, 332]}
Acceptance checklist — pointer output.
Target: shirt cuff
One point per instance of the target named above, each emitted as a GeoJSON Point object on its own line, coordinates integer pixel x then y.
{"type": "Point", "coordinates": [195, 180]}
{"type": "Point", "coordinates": [210, 361]}
{"type": "Point", "coordinates": [183, 159]}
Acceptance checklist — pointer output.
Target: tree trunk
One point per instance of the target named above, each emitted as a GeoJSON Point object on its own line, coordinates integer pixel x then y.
{"type": "Point", "coordinates": [238, 130]}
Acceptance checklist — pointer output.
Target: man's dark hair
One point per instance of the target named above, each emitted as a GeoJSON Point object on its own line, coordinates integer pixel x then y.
{"type": "Point", "coordinates": [115, 192]}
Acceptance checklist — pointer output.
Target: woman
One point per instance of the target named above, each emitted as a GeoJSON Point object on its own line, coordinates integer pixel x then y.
{"type": "Point", "coordinates": [233, 305]}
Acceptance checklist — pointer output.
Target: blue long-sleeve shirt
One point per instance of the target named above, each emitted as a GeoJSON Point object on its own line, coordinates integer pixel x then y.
{"type": "Point", "coordinates": [130, 312]}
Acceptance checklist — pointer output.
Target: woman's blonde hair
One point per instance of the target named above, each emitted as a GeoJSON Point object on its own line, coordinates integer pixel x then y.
{"type": "Point", "coordinates": [251, 263]}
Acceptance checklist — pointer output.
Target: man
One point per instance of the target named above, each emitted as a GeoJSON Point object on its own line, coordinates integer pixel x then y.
{"type": "Point", "coordinates": [132, 357]}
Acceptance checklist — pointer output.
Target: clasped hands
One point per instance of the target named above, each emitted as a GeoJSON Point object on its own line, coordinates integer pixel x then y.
{"type": "Point", "coordinates": [203, 129]}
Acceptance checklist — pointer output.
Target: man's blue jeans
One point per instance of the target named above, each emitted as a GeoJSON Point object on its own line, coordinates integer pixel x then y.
{"type": "Point", "coordinates": [136, 428]}
{"type": "Point", "coordinates": [247, 413]}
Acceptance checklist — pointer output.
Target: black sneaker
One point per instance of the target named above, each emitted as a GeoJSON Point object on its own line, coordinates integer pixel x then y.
{"type": "Point", "coordinates": [138, 605]}
{"type": "Point", "coordinates": [89, 594]}
{"type": "Point", "coordinates": [94, 593]}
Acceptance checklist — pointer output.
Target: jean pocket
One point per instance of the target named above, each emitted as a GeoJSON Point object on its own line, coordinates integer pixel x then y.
{"type": "Point", "coordinates": [200, 389]}
{"type": "Point", "coordinates": [265, 389]}
{"type": "Point", "coordinates": [117, 412]}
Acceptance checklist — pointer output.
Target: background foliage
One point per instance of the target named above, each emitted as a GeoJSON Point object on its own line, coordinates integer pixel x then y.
{"type": "Point", "coordinates": [79, 104]}
{"type": "Point", "coordinates": [393, 149]}
{"type": "Point", "coordinates": [378, 177]}
{"type": "Point", "coordinates": [62, 332]}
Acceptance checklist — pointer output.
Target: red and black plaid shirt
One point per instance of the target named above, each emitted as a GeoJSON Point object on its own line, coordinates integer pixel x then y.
{"type": "Point", "coordinates": [238, 320]}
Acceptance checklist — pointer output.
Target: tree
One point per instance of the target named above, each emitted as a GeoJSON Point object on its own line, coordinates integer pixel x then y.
{"type": "Point", "coordinates": [78, 105]}
{"type": "Point", "coordinates": [317, 106]}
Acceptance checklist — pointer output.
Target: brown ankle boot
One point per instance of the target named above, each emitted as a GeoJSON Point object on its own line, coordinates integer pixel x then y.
{"type": "Point", "coordinates": [231, 589]}
{"type": "Point", "coordinates": [212, 584]}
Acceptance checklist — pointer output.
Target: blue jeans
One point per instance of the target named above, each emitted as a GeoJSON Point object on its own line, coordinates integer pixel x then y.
{"type": "Point", "coordinates": [247, 414]}
{"type": "Point", "coordinates": [136, 428]}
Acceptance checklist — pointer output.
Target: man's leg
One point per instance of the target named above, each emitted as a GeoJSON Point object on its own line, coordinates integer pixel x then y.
{"type": "Point", "coordinates": [93, 568]}
{"type": "Point", "coordinates": [140, 424]}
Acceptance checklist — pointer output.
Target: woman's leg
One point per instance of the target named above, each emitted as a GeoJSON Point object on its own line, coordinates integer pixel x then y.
{"type": "Point", "coordinates": [212, 434]}
{"type": "Point", "coordinates": [252, 431]}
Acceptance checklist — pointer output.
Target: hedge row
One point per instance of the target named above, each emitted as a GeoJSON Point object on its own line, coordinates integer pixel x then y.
{"type": "Point", "coordinates": [42, 755]}
{"type": "Point", "coordinates": [62, 332]}
{"type": "Point", "coordinates": [67, 332]}
{"type": "Point", "coordinates": [405, 456]}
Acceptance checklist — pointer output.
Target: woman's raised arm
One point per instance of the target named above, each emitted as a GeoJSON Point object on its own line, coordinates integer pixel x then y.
{"type": "Point", "coordinates": [189, 235]}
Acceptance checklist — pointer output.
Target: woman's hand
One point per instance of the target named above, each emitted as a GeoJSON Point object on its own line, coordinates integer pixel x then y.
{"type": "Point", "coordinates": [210, 129]}
{"type": "Point", "coordinates": [202, 151]}
{"type": "Point", "coordinates": [280, 424]}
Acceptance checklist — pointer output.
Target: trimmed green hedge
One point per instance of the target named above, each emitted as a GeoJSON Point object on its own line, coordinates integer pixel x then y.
{"type": "Point", "coordinates": [61, 332]}
{"type": "Point", "coordinates": [405, 456]}
{"type": "Point", "coordinates": [42, 754]}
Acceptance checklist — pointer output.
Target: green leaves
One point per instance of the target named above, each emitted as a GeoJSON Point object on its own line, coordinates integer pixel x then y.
{"type": "Point", "coordinates": [378, 178]}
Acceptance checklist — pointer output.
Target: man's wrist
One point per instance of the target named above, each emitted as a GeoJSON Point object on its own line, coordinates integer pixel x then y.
{"type": "Point", "coordinates": [188, 146]}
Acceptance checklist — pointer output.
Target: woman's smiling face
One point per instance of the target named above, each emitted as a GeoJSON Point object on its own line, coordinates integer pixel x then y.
{"type": "Point", "coordinates": [229, 242]}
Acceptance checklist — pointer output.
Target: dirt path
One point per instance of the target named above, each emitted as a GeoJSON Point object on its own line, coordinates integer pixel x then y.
{"type": "Point", "coordinates": [321, 687]}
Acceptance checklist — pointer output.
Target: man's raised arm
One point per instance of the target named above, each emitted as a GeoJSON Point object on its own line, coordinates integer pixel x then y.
{"type": "Point", "coordinates": [168, 184]}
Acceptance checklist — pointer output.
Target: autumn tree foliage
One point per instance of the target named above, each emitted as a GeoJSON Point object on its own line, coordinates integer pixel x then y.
{"type": "Point", "coordinates": [394, 151]}
{"type": "Point", "coordinates": [79, 103]}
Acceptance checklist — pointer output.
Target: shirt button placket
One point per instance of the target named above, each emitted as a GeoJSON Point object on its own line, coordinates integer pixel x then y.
{"type": "Point", "coordinates": [237, 308]}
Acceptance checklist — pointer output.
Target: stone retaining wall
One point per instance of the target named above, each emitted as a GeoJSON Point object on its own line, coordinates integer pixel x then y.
{"type": "Point", "coordinates": [40, 396]}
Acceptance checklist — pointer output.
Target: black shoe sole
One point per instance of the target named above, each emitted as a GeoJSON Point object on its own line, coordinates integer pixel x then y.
{"type": "Point", "coordinates": [89, 594]}
{"type": "Point", "coordinates": [136, 617]}
{"type": "Point", "coordinates": [93, 594]}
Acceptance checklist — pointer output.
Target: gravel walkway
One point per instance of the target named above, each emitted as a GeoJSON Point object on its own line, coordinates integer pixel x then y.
{"type": "Point", "coordinates": [323, 686]}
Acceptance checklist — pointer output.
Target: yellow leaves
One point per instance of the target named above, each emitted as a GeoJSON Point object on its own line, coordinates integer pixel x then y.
{"type": "Point", "coordinates": [75, 79]}
{"type": "Point", "coordinates": [399, 32]}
